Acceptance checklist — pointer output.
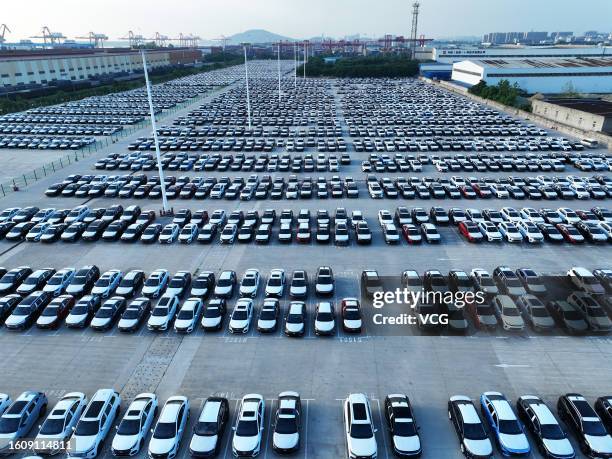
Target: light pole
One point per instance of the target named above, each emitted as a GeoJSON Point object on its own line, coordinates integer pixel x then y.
{"type": "Point", "coordinates": [246, 79]}
{"type": "Point", "coordinates": [156, 141]}
{"type": "Point", "coordinates": [279, 74]}
{"type": "Point", "coordinates": [295, 65]}
{"type": "Point", "coordinates": [305, 60]}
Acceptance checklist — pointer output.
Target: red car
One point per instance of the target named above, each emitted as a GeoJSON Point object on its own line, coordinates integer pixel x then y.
{"type": "Point", "coordinates": [470, 231]}
{"type": "Point", "coordinates": [467, 192]}
{"type": "Point", "coordinates": [570, 233]}
{"type": "Point", "coordinates": [483, 190]}
{"type": "Point", "coordinates": [412, 234]}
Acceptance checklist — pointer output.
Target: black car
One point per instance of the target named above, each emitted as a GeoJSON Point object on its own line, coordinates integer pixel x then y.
{"type": "Point", "coordinates": [134, 314]}
{"type": "Point", "coordinates": [94, 230]}
{"type": "Point", "coordinates": [202, 285]}
{"type": "Point", "coordinates": [53, 233]}
{"type": "Point", "coordinates": [212, 427]}
{"type": "Point", "coordinates": [27, 311]}
{"type": "Point", "coordinates": [550, 232]}
{"type": "Point", "coordinates": [83, 280]}
{"type": "Point", "coordinates": [133, 232]}
{"type": "Point", "coordinates": [539, 419]}
{"type": "Point", "coordinates": [13, 279]}
{"type": "Point", "coordinates": [73, 232]}
{"type": "Point", "coordinates": [214, 314]}
{"type": "Point", "coordinates": [473, 439]}
{"type": "Point", "coordinates": [19, 231]}
{"type": "Point", "coordinates": [55, 312]}
{"type": "Point", "coordinates": [5, 228]}
{"type": "Point", "coordinates": [7, 304]}
{"type": "Point", "coordinates": [56, 189]}
{"type": "Point", "coordinates": [130, 284]}
{"type": "Point", "coordinates": [25, 214]}
{"type": "Point", "coordinates": [592, 436]}
{"type": "Point", "coordinates": [151, 234]}
{"type": "Point", "coordinates": [603, 407]}
{"type": "Point", "coordinates": [402, 426]}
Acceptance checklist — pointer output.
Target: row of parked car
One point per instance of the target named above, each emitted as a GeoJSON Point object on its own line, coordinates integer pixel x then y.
{"type": "Point", "coordinates": [45, 143]}
{"type": "Point", "coordinates": [58, 129]}
{"type": "Point", "coordinates": [80, 426]}
{"type": "Point", "coordinates": [140, 161]}
{"type": "Point", "coordinates": [510, 299]}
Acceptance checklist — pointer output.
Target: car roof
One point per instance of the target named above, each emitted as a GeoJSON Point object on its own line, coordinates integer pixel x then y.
{"type": "Point", "coordinates": [171, 409]}
{"type": "Point", "coordinates": [210, 410]}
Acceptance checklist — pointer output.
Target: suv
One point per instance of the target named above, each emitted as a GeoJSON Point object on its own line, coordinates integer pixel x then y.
{"type": "Point", "coordinates": [95, 424]}
{"type": "Point", "coordinates": [359, 427]}
{"type": "Point", "coordinates": [576, 412]}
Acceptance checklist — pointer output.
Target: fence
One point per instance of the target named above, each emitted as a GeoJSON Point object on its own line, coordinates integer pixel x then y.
{"type": "Point", "coordinates": [23, 180]}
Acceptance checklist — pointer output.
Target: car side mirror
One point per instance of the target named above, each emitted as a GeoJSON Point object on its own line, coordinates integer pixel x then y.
{"type": "Point", "coordinates": [375, 430]}
{"type": "Point", "coordinates": [73, 428]}
{"type": "Point", "coordinates": [234, 428]}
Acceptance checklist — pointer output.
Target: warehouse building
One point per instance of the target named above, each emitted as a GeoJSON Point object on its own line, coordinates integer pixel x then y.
{"type": "Point", "coordinates": [23, 70]}
{"type": "Point", "coordinates": [587, 114]}
{"type": "Point", "coordinates": [545, 75]}
{"type": "Point", "coordinates": [445, 57]}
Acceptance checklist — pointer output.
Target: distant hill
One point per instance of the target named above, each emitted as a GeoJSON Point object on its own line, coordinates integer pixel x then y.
{"type": "Point", "coordinates": [256, 36]}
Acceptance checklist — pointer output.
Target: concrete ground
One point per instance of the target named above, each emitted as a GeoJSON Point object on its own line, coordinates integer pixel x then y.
{"type": "Point", "coordinates": [428, 368]}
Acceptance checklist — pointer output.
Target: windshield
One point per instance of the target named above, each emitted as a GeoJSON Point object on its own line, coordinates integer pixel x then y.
{"type": "Point", "coordinates": [131, 313]}
{"type": "Point", "coordinates": [511, 427]}
{"type": "Point", "coordinates": [52, 426]}
{"type": "Point", "coordinates": [50, 311]}
{"type": "Point", "coordinates": [552, 431]}
{"type": "Point", "coordinates": [129, 427]}
{"type": "Point", "coordinates": [361, 431]}
{"type": "Point", "coordinates": [246, 429]}
{"type": "Point", "coordinates": [404, 428]}
{"type": "Point", "coordinates": [185, 315]}
{"type": "Point", "coordinates": [239, 314]}
{"type": "Point", "coordinates": [594, 428]}
{"type": "Point", "coordinates": [474, 432]}
{"type": "Point", "coordinates": [105, 312]}
{"type": "Point", "coordinates": [87, 428]}
{"type": "Point", "coordinates": [9, 425]}
{"type": "Point", "coordinates": [206, 428]}
{"type": "Point", "coordinates": [212, 312]}
{"type": "Point", "coordinates": [268, 314]}
{"type": "Point", "coordinates": [160, 311]}
{"type": "Point", "coordinates": [165, 430]}
{"type": "Point", "coordinates": [286, 425]}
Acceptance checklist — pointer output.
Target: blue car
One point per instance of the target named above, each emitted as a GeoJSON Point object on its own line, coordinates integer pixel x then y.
{"type": "Point", "coordinates": [19, 418]}
{"type": "Point", "coordinates": [508, 432]}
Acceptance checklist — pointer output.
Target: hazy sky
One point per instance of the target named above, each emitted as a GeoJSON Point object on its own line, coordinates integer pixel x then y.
{"type": "Point", "coordinates": [301, 18]}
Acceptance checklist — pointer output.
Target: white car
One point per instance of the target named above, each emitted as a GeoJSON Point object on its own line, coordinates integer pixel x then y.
{"type": "Point", "coordinates": [268, 316]}
{"type": "Point", "coordinates": [225, 284]}
{"type": "Point", "coordinates": [107, 283]}
{"type": "Point", "coordinates": [490, 231]}
{"type": "Point", "coordinates": [325, 319]}
{"type": "Point", "coordinates": [156, 283]}
{"type": "Point", "coordinates": [135, 425]}
{"type": "Point", "coordinates": [249, 285]}
{"type": "Point", "coordinates": [59, 281]}
{"type": "Point", "coordinates": [500, 191]}
{"type": "Point", "coordinates": [248, 431]}
{"type": "Point", "coordinates": [529, 213]}
{"type": "Point", "coordinates": [384, 217]}
{"type": "Point", "coordinates": [391, 234]}
{"type": "Point", "coordinates": [58, 427]}
{"type": "Point", "coordinates": [580, 191]}
{"type": "Point", "coordinates": [510, 214]}
{"type": "Point", "coordinates": [276, 283]}
{"type": "Point", "coordinates": [510, 232]}
{"type": "Point", "coordinates": [229, 233]}
{"type": "Point", "coordinates": [169, 429]}
{"type": "Point", "coordinates": [584, 279]}
{"type": "Point", "coordinates": [163, 313]}
{"type": "Point", "coordinates": [214, 313]}
{"type": "Point", "coordinates": [188, 316]}
{"type": "Point", "coordinates": [359, 427]}
{"type": "Point", "coordinates": [208, 433]}
{"type": "Point", "coordinates": [242, 316]}
{"type": "Point", "coordinates": [169, 234]}
{"type": "Point", "coordinates": [287, 422]}
{"type": "Point", "coordinates": [568, 215]}
{"type": "Point", "coordinates": [530, 232]}
{"type": "Point", "coordinates": [95, 424]}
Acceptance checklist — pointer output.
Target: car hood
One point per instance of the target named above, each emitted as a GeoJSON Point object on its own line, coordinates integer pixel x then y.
{"type": "Point", "coordinates": [245, 443]}
{"type": "Point", "coordinates": [325, 326]}
{"type": "Point", "coordinates": [516, 443]}
{"type": "Point", "coordinates": [161, 446]}
{"type": "Point", "coordinates": [544, 322]}
{"type": "Point", "coordinates": [222, 290]}
{"type": "Point", "coordinates": [198, 291]}
{"type": "Point", "coordinates": [183, 323]}
{"type": "Point", "coordinates": [82, 443]}
{"type": "Point", "coordinates": [46, 320]}
{"type": "Point", "coordinates": [14, 320]}
{"type": "Point", "coordinates": [324, 287]}
{"type": "Point", "coordinates": [157, 320]}
{"type": "Point", "coordinates": [203, 444]}
{"type": "Point", "coordinates": [407, 444]}
{"type": "Point", "coordinates": [352, 323]}
{"type": "Point", "coordinates": [294, 328]}
{"type": "Point", "coordinates": [561, 447]}
{"type": "Point", "coordinates": [601, 444]}
{"type": "Point", "coordinates": [478, 447]}
{"type": "Point", "coordinates": [363, 446]}
{"type": "Point", "coordinates": [123, 290]}
{"type": "Point", "coordinates": [124, 442]}
{"type": "Point", "coordinates": [514, 321]}
{"type": "Point", "coordinates": [239, 323]}
{"type": "Point", "coordinates": [285, 441]}
{"type": "Point", "coordinates": [211, 322]}
{"type": "Point", "coordinates": [266, 323]}
{"type": "Point", "coordinates": [99, 322]}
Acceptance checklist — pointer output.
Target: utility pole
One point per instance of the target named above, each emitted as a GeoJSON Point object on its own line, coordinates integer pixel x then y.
{"type": "Point", "coordinates": [413, 32]}
{"type": "Point", "coordinates": [246, 79]}
{"type": "Point", "coordinates": [305, 60]}
{"type": "Point", "coordinates": [160, 169]}
{"type": "Point", "coordinates": [279, 74]}
{"type": "Point", "coordinates": [295, 65]}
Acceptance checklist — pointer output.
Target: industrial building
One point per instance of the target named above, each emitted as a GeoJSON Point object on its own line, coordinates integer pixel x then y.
{"type": "Point", "coordinates": [545, 75]}
{"type": "Point", "coordinates": [27, 70]}
{"type": "Point", "coordinates": [445, 57]}
{"type": "Point", "coordinates": [587, 114]}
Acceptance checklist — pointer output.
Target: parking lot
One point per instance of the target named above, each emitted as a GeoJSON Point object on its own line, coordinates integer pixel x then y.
{"type": "Point", "coordinates": [428, 367]}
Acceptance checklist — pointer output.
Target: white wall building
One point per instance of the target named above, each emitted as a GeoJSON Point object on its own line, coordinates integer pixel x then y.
{"type": "Point", "coordinates": [544, 75]}
{"type": "Point", "coordinates": [451, 55]}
